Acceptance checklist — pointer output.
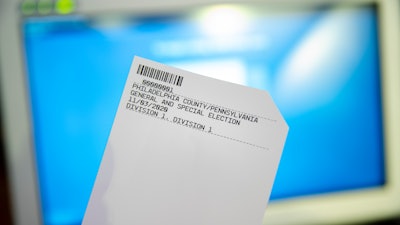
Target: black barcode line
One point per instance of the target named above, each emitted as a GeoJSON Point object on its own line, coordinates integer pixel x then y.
{"type": "Point", "coordinates": [160, 75]}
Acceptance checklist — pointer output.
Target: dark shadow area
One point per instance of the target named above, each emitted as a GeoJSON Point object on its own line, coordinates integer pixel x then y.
{"type": "Point", "coordinates": [393, 221]}
{"type": "Point", "coordinates": [5, 212]}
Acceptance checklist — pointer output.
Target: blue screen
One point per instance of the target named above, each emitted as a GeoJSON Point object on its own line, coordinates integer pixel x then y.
{"type": "Point", "coordinates": [320, 65]}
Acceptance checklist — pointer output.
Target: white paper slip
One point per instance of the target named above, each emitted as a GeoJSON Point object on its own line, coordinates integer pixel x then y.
{"type": "Point", "coordinates": [186, 149]}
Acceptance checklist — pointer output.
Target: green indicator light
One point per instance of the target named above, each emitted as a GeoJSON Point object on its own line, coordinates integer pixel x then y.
{"type": "Point", "coordinates": [65, 6]}
{"type": "Point", "coordinates": [45, 7]}
{"type": "Point", "coordinates": [28, 7]}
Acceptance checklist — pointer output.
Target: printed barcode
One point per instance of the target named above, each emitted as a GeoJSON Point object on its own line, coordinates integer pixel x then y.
{"type": "Point", "coordinates": [159, 75]}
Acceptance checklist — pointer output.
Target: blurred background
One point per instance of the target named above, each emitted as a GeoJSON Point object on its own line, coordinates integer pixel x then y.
{"type": "Point", "coordinates": [331, 67]}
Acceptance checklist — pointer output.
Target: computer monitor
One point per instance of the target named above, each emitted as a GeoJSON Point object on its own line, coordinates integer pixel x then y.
{"type": "Point", "coordinates": [330, 66]}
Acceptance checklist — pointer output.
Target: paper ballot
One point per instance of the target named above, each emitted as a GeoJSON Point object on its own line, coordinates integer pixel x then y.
{"type": "Point", "coordinates": [186, 149]}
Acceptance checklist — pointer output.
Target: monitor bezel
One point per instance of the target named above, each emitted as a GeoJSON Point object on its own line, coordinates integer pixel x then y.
{"type": "Point", "coordinates": [365, 204]}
